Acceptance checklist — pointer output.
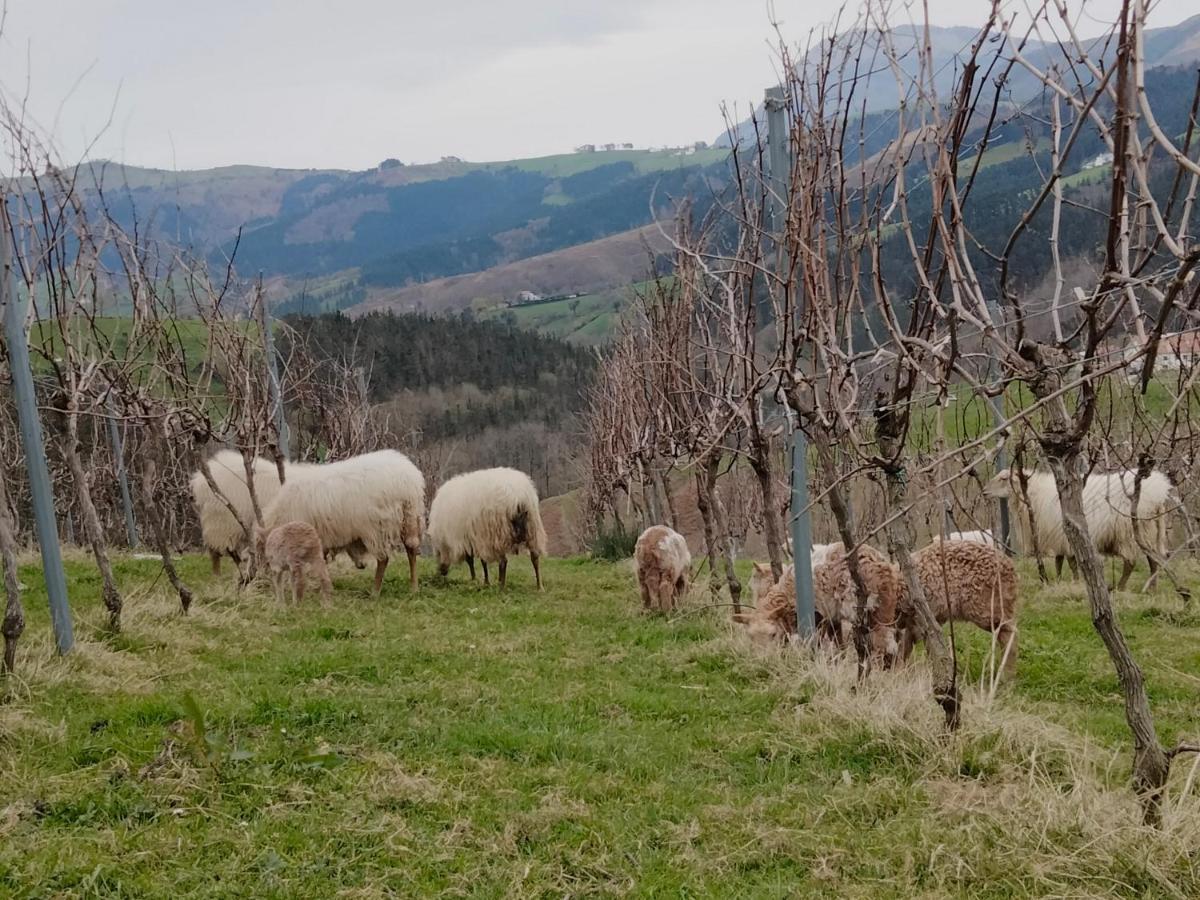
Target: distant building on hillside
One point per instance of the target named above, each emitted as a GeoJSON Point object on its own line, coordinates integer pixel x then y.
{"type": "Point", "coordinates": [451, 159]}
{"type": "Point", "coordinates": [526, 297]}
{"type": "Point", "coordinates": [627, 146]}
{"type": "Point", "coordinates": [586, 148]}
{"type": "Point", "coordinates": [1177, 351]}
{"type": "Point", "coordinates": [610, 147]}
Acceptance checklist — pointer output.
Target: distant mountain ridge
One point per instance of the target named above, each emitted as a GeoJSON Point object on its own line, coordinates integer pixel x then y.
{"type": "Point", "coordinates": [1172, 45]}
{"type": "Point", "coordinates": [334, 235]}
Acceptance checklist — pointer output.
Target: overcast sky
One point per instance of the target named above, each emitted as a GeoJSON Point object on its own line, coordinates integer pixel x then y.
{"type": "Point", "coordinates": [306, 83]}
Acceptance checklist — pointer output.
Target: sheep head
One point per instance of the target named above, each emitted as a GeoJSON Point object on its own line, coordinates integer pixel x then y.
{"type": "Point", "coordinates": [1000, 485]}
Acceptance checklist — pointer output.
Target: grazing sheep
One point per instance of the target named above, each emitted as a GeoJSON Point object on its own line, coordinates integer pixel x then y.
{"type": "Point", "coordinates": [762, 579]}
{"type": "Point", "coordinates": [489, 514]}
{"type": "Point", "coordinates": [973, 537]}
{"type": "Point", "coordinates": [293, 547]}
{"type": "Point", "coordinates": [1107, 506]}
{"type": "Point", "coordinates": [367, 505]}
{"type": "Point", "coordinates": [663, 566]}
{"type": "Point", "coordinates": [774, 615]}
{"type": "Point", "coordinates": [220, 531]}
{"type": "Point", "coordinates": [966, 581]}
{"type": "Point", "coordinates": [835, 599]}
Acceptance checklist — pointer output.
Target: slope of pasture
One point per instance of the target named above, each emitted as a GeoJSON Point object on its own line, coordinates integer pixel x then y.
{"type": "Point", "coordinates": [468, 742]}
{"type": "Point", "coordinates": [595, 266]}
{"type": "Point", "coordinates": [588, 320]}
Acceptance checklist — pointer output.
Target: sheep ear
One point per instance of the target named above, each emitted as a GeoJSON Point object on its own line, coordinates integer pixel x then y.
{"type": "Point", "coordinates": [761, 568]}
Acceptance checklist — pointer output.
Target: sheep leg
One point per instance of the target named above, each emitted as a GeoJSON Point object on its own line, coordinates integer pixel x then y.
{"type": "Point", "coordinates": [277, 581]}
{"type": "Point", "coordinates": [215, 556]}
{"type": "Point", "coordinates": [537, 568]}
{"type": "Point", "coordinates": [412, 568]}
{"type": "Point", "coordinates": [471, 565]}
{"type": "Point", "coordinates": [486, 582]}
{"type": "Point", "coordinates": [381, 564]}
{"type": "Point", "coordinates": [645, 593]}
{"type": "Point", "coordinates": [1074, 566]}
{"type": "Point", "coordinates": [326, 584]}
{"type": "Point", "coordinates": [666, 594]}
{"type": "Point", "coordinates": [906, 644]}
{"type": "Point", "coordinates": [1058, 564]}
{"type": "Point", "coordinates": [297, 583]}
{"type": "Point", "coordinates": [1126, 571]}
{"type": "Point", "coordinates": [503, 570]}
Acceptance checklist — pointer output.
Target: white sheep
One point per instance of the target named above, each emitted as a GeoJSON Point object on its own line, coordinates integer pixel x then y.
{"type": "Point", "coordinates": [489, 514]}
{"type": "Point", "coordinates": [1107, 506]}
{"type": "Point", "coordinates": [663, 565]}
{"type": "Point", "coordinates": [220, 531]}
{"type": "Point", "coordinates": [367, 505]}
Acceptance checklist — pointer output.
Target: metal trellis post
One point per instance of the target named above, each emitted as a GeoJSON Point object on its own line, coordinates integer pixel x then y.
{"type": "Point", "coordinates": [45, 523]}
{"type": "Point", "coordinates": [779, 159]}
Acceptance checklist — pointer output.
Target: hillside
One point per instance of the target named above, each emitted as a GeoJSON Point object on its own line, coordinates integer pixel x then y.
{"type": "Point", "coordinates": [400, 223]}
{"type": "Point", "coordinates": [463, 394]}
{"type": "Point", "coordinates": [594, 266]}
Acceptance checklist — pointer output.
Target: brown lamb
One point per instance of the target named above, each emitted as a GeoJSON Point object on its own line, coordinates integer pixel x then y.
{"type": "Point", "coordinates": [835, 600]}
{"type": "Point", "coordinates": [967, 582]}
{"type": "Point", "coordinates": [294, 547]}
{"type": "Point", "coordinates": [663, 566]}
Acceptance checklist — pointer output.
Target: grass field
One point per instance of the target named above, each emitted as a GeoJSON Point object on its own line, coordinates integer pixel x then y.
{"type": "Point", "coordinates": [475, 743]}
{"type": "Point", "coordinates": [588, 320]}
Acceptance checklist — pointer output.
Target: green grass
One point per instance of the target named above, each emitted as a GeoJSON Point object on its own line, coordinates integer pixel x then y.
{"type": "Point", "coordinates": [589, 319]}
{"type": "Point", "coordinates": [1087, 176]}
{"type": "Point", "coordinates": [1002, 153]}
{"type": "Point", "coordinates": [468, 742]}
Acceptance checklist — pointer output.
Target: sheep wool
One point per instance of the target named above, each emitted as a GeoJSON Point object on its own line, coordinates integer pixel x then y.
{"type": "Point", "coordinates": [487, 514]}
{"type": "Point", "coordinates": [220, 531]}
{"type": "Point", "coordinates": [965, 581]}
{"type": "Point", "coordinates": [1108, 508]}
{"type": "Point", "coordinates": [368, 505]}
{"type": "Point", "coordinates": [835, 599]}
{"type": "Point", "coordinates": [294, 548]}
{"type": "Point", "coordinates": [762, 579]}
{"type": "Point", "coordinates": [663, 566]}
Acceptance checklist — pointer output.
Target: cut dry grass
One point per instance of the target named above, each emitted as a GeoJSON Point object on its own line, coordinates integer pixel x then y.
{"type": "Point", "coordinates": [473, 743]}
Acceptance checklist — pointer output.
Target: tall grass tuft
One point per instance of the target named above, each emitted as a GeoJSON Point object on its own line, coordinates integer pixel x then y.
{"type": "Point", "coordinates": [613, 544]}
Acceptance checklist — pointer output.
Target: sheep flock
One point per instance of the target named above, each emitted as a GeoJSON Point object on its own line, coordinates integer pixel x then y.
{"type": "Point", "coordinates": [372, 506]}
